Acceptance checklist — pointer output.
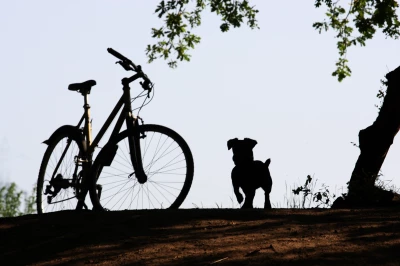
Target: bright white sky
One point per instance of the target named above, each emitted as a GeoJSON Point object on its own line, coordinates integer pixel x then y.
{"type": "Point", "coordinates": [273, 85]}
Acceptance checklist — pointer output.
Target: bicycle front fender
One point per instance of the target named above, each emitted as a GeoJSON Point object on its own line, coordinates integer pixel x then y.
{"type": "Point", "coordinates": [72, 131]}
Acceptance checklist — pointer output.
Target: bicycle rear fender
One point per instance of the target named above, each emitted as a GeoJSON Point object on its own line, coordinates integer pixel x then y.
{"type": "Point", "coordinates": [72, 131]}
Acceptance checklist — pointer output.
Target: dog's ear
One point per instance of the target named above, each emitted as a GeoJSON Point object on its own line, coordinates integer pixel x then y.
{"type": "Point", "coordinates": [231, 142]}
{"type": "Point", "coordinates": [250, 142]}
{"type": "Point", "coordinates": [267, 162]}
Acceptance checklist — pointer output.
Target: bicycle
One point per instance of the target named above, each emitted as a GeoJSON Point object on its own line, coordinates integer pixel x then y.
{"type": "Point", "coordinates": [142, 167]}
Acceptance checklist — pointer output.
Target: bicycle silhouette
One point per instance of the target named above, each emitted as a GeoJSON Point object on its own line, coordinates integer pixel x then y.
{"type": "Point", "coordinates": [142, 167]}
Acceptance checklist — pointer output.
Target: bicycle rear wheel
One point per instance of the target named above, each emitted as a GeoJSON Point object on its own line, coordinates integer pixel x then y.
{"type": "Point", "coordinates": [60, 175]}
{"type": "Point", "coordinates": [167, 162]}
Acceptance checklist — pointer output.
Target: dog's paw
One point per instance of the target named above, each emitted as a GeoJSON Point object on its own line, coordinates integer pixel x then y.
{"type": "Point", "coordinates": [239, 198]}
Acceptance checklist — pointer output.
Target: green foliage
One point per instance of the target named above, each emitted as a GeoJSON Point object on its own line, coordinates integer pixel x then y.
{"type": "Point", "coordinates": [10, 201]}
{"type": "Point", "coordinates": [363, 15]}
{"type": "Point", "coordinates": [30, 202]}
{"type": "Point", "coordinates": [181, 16]}
{"type": "Point", "coordinates": [353, 24]}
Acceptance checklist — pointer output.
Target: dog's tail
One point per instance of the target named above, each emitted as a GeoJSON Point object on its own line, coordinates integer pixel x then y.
{"type": "Point", "coordinates": [267, 162]}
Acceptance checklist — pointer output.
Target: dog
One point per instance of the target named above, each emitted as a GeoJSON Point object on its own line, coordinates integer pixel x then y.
{"type": "Point", "coordinates": [249, 175]}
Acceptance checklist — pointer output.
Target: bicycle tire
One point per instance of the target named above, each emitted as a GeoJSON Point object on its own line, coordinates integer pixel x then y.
{"type": "Point", "coordinates": [65, 199]}
{"type": "Point", "coordinates": [181, 180]}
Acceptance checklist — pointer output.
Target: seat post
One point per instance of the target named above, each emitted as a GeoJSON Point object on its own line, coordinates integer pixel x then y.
{"type": "Point", "coordinates": [88, 125]}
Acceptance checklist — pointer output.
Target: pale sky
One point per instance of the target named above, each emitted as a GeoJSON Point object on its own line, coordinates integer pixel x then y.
{"type": "Point", "coordinates": [273, 85]}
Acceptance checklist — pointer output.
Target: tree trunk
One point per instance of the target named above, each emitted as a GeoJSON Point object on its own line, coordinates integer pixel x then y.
{"type": "Point", "coordinates": [375, 141]}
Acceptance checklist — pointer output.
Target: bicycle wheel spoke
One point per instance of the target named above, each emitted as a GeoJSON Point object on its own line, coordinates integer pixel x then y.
{"type": "Point", "coordinates": [136, 196]}
{"type": "Point", "coordinates": [123, 157]}
{"type": "Point", "coordinates": [117, 169]}
{"type": "Point", "coordinates": [69, 159]}
{"type": "Point", "coordinates": [108, 189]}
{"type": "Point", "coordinates": [113, 175]}
{"type": "Point", "coordinates": [161, 156]}
{"type": "Point", "coordinates": [114, 182]}
{"type": "Point", "coordinates": [148, 196]}
{"type": "Point", "coordinates": [147, 146]}
{"type": "Point", "coordinates": [110, 197]}
{"type": "Point", "coordinates": [152, 163]}
{"type": "Point", "coordinates": [169, 182]}
{"type": "Point", "coordinates": [155, 198]}
{"type": "Point", "coordinates": [167, 173]}
{"type": "Point", "coordinates": [165, 166]}
{"type": "Point", "coordinates": [169, 163]}
{"type": "Point", "coordinates": [156, 150]}
{"type": "Point", "coordinates": [128, 190]}
{"type": "Point", "coordinates": [142, 197]}
{"type": "Point", "coordinates": [162, 185]}
{"type": "Point", "coordinates": [122, 164]}
{"type": "Point", "coordinates": [161, 193]}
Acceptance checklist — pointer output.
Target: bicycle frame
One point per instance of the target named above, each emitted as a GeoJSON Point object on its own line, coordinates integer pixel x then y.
{"type": "Point", "coordinates": [131, 125]}
{"type": "Point", "coordinates": [91, 145]}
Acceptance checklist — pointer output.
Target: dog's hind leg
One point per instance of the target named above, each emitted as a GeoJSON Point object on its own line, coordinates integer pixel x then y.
{"type": "Point", "coordinates": [267, 185]}
{"type": "Point", "coordinates": [267, 203]}
{"type": "Point", "coordinates": [267, 189]}
{"type": "Point", "coordinates": [248, 201]}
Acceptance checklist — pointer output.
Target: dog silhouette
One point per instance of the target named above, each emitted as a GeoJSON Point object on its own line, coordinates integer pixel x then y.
{"type": "Point", "coordinates": [249, 175]}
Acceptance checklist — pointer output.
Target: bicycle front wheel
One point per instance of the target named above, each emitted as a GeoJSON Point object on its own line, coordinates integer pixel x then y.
{"type": "Point", "coordinates": [167, 162]}
{"type": "Point", "coordinates": [60, 175]}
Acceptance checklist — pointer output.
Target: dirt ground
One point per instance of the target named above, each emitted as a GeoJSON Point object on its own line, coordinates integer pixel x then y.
{"type": "Point", "coordinates": [204, 237]}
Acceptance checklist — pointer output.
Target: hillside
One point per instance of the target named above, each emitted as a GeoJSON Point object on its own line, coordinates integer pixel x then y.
{"type": "Point", "coordinates": [203, 237]}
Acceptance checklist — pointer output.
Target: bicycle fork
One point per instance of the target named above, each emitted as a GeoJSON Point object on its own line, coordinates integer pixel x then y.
{"type": "Point", "coordinates": [134, 136]}
{"type": "Point", "coordinates": [132, 125]}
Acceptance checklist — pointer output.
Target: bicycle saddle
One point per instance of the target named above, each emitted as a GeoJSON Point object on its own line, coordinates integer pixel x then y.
{"type": "Point", "coordinates": [83, 86]}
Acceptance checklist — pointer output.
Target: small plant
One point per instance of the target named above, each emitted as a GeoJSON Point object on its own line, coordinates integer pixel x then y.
{"type": "Point", "coordinates": [386, 184]}
{"type": "Point", "coordinates": [234, 203]}
{"type": "Point", "coordinates": [310, 198]}
{"type": "Point", "coordinates": [218, 206]}
{"type": "Point", "coordinates": [198, 207]}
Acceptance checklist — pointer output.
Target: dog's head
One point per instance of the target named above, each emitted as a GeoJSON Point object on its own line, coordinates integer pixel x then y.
{"type": "Point", "coordinates": [242, 150]}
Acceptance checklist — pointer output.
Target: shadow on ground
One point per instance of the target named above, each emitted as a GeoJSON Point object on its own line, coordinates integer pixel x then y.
{"type": "Point", "coordinates": [203, 237]}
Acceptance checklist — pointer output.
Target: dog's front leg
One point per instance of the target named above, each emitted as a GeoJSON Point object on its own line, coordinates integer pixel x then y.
{"type": "Point", "coordinates": [248, 202]}
{"type": "Point", "coordinates": [238, 195]}
{"type": "Point", "coordinates": [235, 185]}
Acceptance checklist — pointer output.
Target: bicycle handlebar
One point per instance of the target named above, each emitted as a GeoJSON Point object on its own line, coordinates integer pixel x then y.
{"type": "Point", "coordinates": [126, 63]}
{"type": "Point", "coordinates": [117, 55]}
{"type": "Point", "coordinates": [124, 59]}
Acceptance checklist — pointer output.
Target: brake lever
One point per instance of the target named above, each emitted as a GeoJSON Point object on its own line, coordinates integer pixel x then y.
{"type": "Point", "coordinates": [125, 65]}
